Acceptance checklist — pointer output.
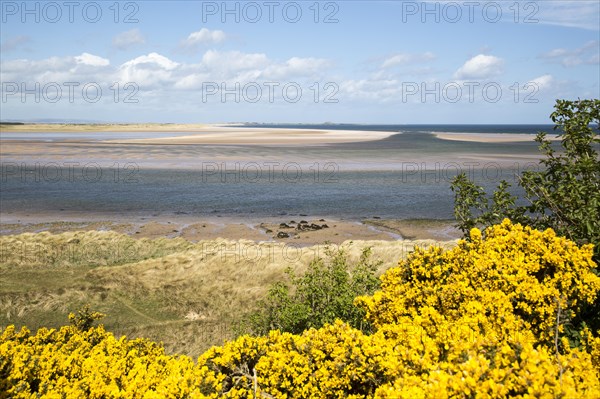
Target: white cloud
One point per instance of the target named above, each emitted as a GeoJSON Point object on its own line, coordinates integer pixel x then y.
{"type": "Point", "coordinates": [480, 67]}
{"type": "Point", "coordinates": [128, 39]}
{"type": "Point", "coordinates": [91, 60]}
{"type": "Point", "coordinates": [581, 14]}
{"type": "Point", "coordinates": [14, 43]}
{"type": "Point", "coordinates": [234, 60]}
{"type": "Point", "coordinates": [192, 81]}
{"type": "Point", "coordinates": [204, 36]}
{"type": "Point", "coordinates": [543, 82]}
{"type": "Point", "coordinates": [588, 54]}
{"type": "Point", "coordinates": [152, 59]}
{"type": "Point", "coordinates": [148, 71]}
{"type": "Point", "coordinates": [296, 66]}
{"type": "Point", "coordinates": [159, 73]}
{"type": "Point", "coordinates": [405, 58]}
{"type": "Point", "coordinates": [371, 89]}
{"type": "Point", "coordinates": [82, 69]}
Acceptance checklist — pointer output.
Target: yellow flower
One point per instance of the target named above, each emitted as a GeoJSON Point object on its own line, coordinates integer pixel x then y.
{"type": "Point", "coordinates": [477, 321]}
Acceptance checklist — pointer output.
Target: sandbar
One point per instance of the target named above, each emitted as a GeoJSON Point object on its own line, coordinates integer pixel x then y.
{"type": "Point", "coordinates": [491, 137]}
{"type": "Point", "coordinates": [210, 134]}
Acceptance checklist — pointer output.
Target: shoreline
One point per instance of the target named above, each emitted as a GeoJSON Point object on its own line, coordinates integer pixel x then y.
{"type": "Point", "coordinates": [296, 230]}
{"type": "Point", "coordinates": [236, 134]}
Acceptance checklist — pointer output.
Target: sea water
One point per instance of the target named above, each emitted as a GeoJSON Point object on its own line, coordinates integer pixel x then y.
{"type": "Point", "coordinates": [383, 178]}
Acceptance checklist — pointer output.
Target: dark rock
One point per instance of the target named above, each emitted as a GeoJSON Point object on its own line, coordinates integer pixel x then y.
{"type": "Point", "coordinates": [315, 227]}
{"type": "Point", "coordinates": [303, 222]}
{"type": "Point", "coordinates": [321, 220]}
{"type": "Point", "coordinates": [376, 217]}
{"type": "Point", "coordinates": [324, 226]}
{"type": "Point", "coordinates": [302, 214]}
{"type": "Point", "coordinates": [292, 222]}
{"type": "Point", "coordinates": [268, 231]}
{"type": "Point", "coordinates": [281, 234]}
{"type": "Point", "coordinates": [285, 226]}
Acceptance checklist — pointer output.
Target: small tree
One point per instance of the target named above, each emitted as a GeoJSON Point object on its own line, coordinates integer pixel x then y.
{"type": "Point", "coordinates": [323, 294]}
{"type": "Point", "coordinates": [564, 195]}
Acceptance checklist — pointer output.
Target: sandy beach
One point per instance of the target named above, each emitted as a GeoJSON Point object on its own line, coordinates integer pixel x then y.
{"type": "Point", "coordinates": [292, 230]}
{"type": "Point", "coordinates": [209, 134]}
{"type": "Point", "coordinates": [261, 136]}
{"type": "Point", "coordinates": [491, 137]}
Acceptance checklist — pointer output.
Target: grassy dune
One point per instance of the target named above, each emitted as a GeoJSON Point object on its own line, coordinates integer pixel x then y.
{"type": "Point", "coordinates": [188, 295]}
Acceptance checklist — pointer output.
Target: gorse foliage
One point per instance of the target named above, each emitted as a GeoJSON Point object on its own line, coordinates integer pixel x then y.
{"type": "Point", "coordinates": [324, 293]}
{"type": "Point", "coordinates": [485, 319]}
{"type": "Point", "coordinates": [85, 318]}
{"type": "Point", "coordinates": [510, 312]}
{"type": "Point", "coordinates": [563, 196]}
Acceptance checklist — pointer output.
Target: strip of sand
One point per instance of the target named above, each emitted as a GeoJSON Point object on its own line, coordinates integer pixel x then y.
{"type": "Point", "coordinates": [260, 136]}
{"type": "Point", "coordinates": [207, 134]}
{"type": "Point", "coordinates": [298, 230]}
{"type": "Point", "coordinates": [491, 137]}
{"type": "Point", "coordinates": [102, 127]}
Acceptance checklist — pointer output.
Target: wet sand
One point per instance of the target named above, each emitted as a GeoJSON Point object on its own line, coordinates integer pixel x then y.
{"type": "Point", "coordinates": [492, 137]}
{"type": "Point", "coordinates": [303, 230]}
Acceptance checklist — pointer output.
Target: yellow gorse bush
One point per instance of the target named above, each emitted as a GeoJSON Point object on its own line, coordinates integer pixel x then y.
{"type": "Point", "coordinates": [486, 319]}
{"type": "Point", "coordinates": [70, 363]}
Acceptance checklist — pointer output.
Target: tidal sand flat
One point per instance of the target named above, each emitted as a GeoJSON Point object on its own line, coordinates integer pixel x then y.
{"type": "Point", "coordinates": [322, 172]}
{"type": "Point", "coordinates": [241, 182]}
{"type": "Point", "coordinates": [166, 134]}
{"type": "Point", "coordinates": [492, 137]}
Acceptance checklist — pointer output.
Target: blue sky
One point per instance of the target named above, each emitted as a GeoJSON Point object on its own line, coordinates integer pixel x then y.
{"type": "Point", "coordinates": [304, 61]}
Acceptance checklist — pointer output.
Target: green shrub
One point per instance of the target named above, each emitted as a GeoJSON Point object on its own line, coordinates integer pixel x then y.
{"type": "Point", "coordinates": [324, 293]}
{"type": "Point", "coordinates": [564, 195]}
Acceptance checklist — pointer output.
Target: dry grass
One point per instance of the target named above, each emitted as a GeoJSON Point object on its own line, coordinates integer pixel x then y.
{"type": "Point", "coordinates": [188, 295]}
